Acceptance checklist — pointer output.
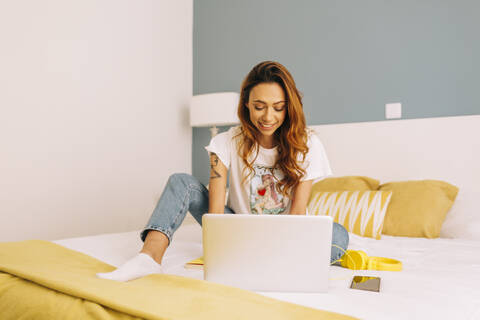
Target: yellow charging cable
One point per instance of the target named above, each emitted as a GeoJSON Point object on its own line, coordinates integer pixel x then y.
{"type": "Point", "coordinates": [338, 260]}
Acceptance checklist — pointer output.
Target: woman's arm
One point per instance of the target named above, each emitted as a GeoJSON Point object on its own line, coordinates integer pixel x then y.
{"type": "Point", "coordinates": [301, 195]}
{"type": "Point", "coordinates": [218, 185]}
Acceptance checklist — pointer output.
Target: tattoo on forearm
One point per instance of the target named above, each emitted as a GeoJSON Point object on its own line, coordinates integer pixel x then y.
{"type": "Point", "coordinates": [213, 164]}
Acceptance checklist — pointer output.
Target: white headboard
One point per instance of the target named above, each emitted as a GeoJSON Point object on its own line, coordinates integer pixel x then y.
{"type": "Point", "coordinates": [445, 149]}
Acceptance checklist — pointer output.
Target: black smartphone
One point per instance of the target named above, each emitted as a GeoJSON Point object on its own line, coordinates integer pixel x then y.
{"type": "Point", "coordinates": [366, 283]}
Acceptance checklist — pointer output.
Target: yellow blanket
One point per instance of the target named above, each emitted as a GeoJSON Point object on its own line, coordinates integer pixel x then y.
{"type": "Point", "coordinates": [43, 280]}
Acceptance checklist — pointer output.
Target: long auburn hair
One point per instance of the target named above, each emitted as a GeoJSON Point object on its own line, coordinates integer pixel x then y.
{"type": "Point", "coordinates": [291, 136]}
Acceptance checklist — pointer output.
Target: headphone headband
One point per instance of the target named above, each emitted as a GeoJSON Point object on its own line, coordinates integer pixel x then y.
{"type": "Point", "coordinates": [359, 260]}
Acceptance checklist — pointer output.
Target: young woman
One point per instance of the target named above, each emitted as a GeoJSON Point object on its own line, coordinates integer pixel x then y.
{"type": "Point", "coordinates": [273, 159]}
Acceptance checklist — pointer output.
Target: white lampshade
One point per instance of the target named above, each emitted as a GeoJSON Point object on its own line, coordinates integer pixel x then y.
{"type": "Point", "coordinates": [214, 109]}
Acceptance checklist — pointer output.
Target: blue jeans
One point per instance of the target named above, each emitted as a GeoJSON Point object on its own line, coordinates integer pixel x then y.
{"type": "Point", "coordinates": [184, 192]}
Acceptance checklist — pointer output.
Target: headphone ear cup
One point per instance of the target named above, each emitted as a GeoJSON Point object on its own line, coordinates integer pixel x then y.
{"type": "Point", "coordinates": [362, 260]}
{"type": "Point", "coordinates": [346, 260]}
{"type": "Point", "coordinates": [355, 259]}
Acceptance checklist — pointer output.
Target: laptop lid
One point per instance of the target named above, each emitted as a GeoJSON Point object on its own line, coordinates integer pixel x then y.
{"type": "Point", "coordinates": [287, 253]}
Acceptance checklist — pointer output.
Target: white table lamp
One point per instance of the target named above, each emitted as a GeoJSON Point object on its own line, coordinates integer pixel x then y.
{"type": "Point", "coordinates": [212, 109]}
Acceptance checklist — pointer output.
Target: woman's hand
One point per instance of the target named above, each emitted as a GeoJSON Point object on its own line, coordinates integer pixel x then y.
{"type": "Point", "coordinates": [301, 195]}
{"type": "Point", "coordinates": [217, 186]}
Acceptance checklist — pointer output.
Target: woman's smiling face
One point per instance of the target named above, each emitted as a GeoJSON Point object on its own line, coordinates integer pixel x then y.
{"type": "Point", "coordinates": [268, 108]}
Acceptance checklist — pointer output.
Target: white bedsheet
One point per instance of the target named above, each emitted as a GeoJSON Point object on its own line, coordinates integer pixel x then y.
{"type": "Point", "coordinates": [440, 280]}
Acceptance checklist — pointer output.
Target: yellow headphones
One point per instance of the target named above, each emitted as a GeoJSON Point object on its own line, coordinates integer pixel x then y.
{"type": "Point", "coordinates": [359, 260]}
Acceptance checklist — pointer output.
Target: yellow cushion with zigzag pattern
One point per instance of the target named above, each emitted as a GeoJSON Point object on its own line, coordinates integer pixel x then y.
{"type": "Point", "coordinates": [360, 212]}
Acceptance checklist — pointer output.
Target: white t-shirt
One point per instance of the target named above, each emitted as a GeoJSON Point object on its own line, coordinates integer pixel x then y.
{"type": "Point", "coordinates": [258, 195]}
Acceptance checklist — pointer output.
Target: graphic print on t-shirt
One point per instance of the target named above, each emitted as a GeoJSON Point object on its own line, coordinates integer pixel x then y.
{"type": "Point", "coordinates": [264, 198]}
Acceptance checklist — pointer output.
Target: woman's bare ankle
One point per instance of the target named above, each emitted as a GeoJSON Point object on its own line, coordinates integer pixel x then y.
{"type": "Point", "coordinates": [155, 245]}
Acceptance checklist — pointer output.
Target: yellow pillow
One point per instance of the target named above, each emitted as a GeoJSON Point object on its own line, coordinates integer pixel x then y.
{"type": "Point", "coordinates": [360, 212]}
{"type": "Point", "coordinates": [418, 208]}
{"type": "Point", "coordinates": [347, 183]}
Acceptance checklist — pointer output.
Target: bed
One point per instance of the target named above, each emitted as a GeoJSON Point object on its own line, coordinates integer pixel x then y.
{"type": "Point", "coordinates": [440, 277]}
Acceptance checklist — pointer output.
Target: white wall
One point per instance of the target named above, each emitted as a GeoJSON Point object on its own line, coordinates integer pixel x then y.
{"type": "Point", "coordinates": [93, 113]}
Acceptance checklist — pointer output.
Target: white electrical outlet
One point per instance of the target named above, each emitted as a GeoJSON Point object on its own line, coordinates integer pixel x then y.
{"type": "Point", "coordinates": [393, 110]}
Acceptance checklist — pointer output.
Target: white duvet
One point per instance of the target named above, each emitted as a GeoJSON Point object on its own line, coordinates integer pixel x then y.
{"type": "Point", "coordinates": [440, 277]}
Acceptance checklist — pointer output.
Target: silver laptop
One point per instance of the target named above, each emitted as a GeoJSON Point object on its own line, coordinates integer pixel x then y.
{"type": "Point", "coordinates": [287, 253]}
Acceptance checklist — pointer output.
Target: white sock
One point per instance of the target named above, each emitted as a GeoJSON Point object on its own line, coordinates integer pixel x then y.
{"type": "Point", "coordinates": [139, 266]}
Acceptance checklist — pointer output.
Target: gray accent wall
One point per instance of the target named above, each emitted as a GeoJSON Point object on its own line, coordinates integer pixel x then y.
{"type": "Point", "coordinates": [348, 58]}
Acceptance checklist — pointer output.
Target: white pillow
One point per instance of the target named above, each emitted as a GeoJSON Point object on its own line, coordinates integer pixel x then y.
{"type": "Point", "coordinates": [463, 219]}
